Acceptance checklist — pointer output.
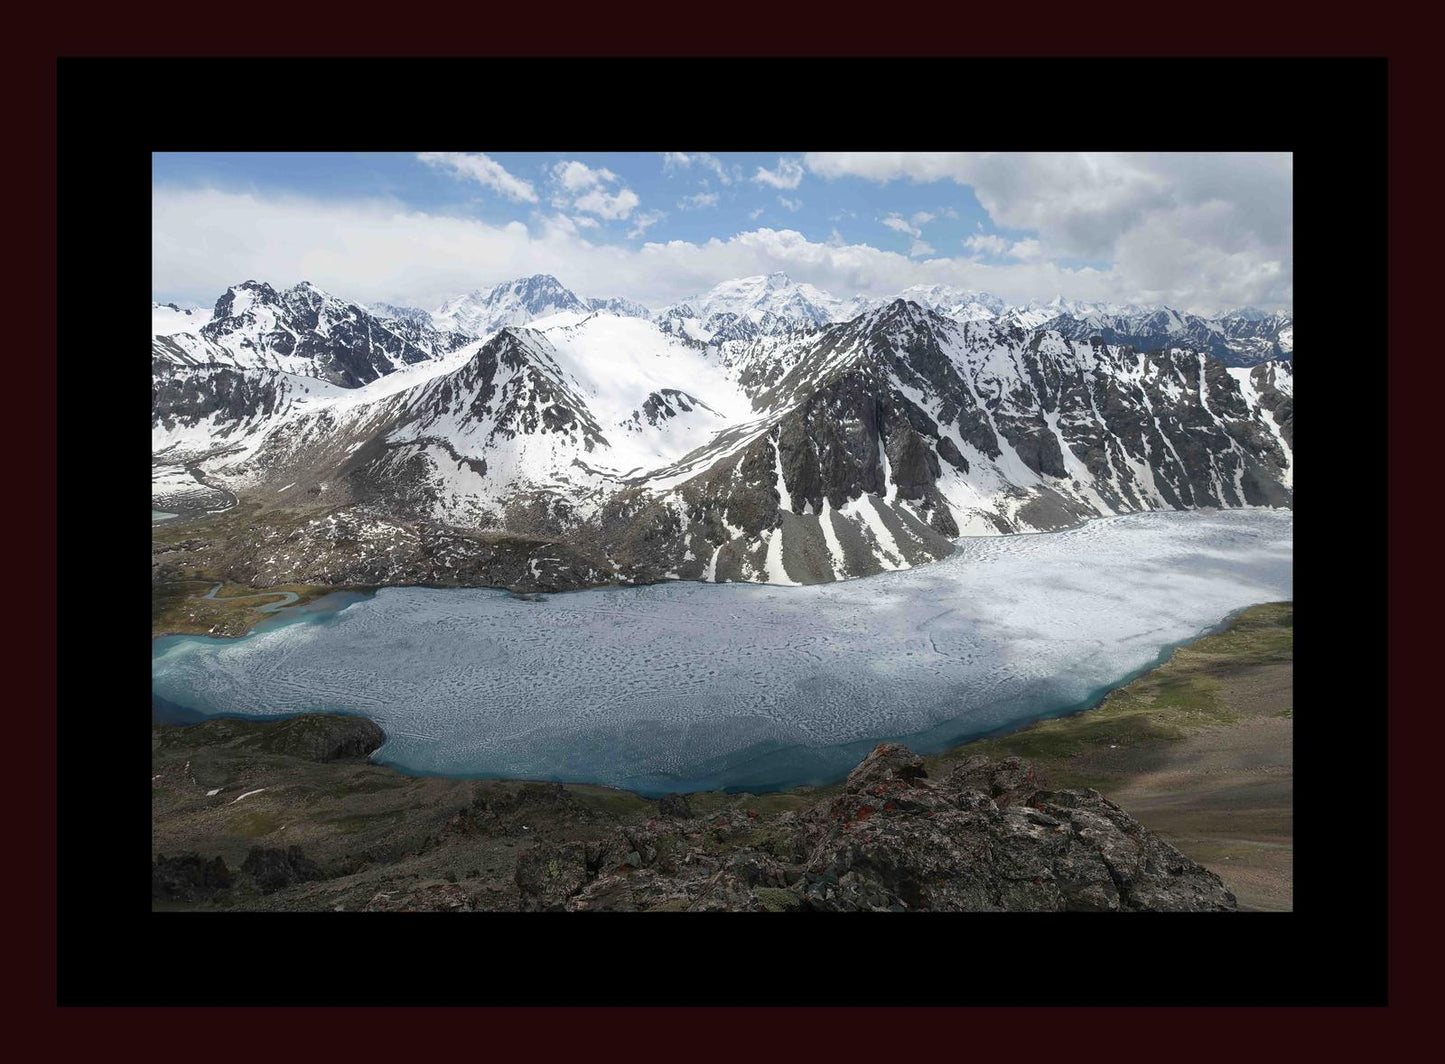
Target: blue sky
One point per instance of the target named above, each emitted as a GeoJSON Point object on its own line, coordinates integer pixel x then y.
{"type": "Point", "coordinates": [1200, 232]}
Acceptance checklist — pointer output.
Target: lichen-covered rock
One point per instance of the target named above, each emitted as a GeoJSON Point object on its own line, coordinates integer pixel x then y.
{"type": "Point", "coordinates": [674, 806]}
{"type": "Point", "coordinates": [188, 877]}
{"type": "Point", "coordinates": [885, 764]}
{"type": "Point", "coordinates": [548, 875]}
{"type": "Point", "coordinates": [985, 838]}
{"type": "Point", "coordinates": [324, 737]}
{"type": "Point", "coordinates": [274, 868]}
{"type": "Point", "coordinates": [1000, 780]}
{"type": "Point", "coordinates": [312, 736]}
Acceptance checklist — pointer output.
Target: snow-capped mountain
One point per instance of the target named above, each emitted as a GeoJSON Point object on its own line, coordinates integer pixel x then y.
{"type": "Point", "coordinates": [390, 311]}
{"type": "Point", "coordinates": [954, 302]}
{"type": "Point", "coordinates": [594, 447]}
{"type": "Point", "coordinates": [1236, 341]}
{"type": "Point", "coordinates": [746, 307]}
{"type": "Point", "coordinates": [306, 332]}
{"type": "Point", "coordinates": [743, 309]}
{"type": "Point", "coordinates": [168, 318]}
{"type": "Point", "coordinates": [1255, 335]}
{"type": "Point", "coordinates": [483, 312]}
{"type": "Point", "coordinates": [626, 308]}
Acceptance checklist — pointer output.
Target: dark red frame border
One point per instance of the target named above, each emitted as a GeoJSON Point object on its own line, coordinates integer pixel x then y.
{"type": "Point", "coordinates": [1257, 31]}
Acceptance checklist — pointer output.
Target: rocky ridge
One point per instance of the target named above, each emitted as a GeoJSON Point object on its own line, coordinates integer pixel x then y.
{"type": "Point", "coordinates": [324, 830]}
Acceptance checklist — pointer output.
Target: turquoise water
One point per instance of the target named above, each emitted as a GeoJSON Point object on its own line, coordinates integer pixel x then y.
{"type": "Point", "coordinates": [688, 686]}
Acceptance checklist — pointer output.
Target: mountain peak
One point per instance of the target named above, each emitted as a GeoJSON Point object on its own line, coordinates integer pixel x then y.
{"type": "Point", "coordinates": [514, 302]}
{"type": "Point", "coordinates": [900, 312]}
{"type": "Point", "coordinates": [536, 280]}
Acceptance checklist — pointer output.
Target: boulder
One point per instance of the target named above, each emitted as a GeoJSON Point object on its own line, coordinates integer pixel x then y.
{"type": "Point", "coordinates": [323, 737]}
{"type": "Point", "coordinates": [188, 877]}
{"type": "Point", "coordinates": [547, 875]}
{"type": "Point", "coordinates": [274, 868]}
{"type": "Point", "coordinates": [674, 807]}
{"type": "Point", "coordinates": [885, 764]}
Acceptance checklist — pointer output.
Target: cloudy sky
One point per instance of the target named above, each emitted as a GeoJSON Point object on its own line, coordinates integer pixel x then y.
{"type": "Point", "coordinates": [1201, 232]}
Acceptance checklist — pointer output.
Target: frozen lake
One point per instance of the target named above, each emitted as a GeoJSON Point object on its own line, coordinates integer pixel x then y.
{"type": "Point", "coordinates": [692, 686]}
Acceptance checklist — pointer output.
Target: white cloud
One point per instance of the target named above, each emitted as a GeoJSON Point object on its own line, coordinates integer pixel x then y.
{"type": "Point", "coordinates": [1027, 250]}
{"type": "Point", "coordinates": [202, 241]}
{"type": "Point", "coordinates": [702, 160]}
{"type": "Point", "coordinates": [698, 200]}
{"type": "Point", "coordinates": [986, 244]}
{"type": "Point", "coordinates": [584, 222]}
{"type": "Point", "coordinates": [922, 218]}
{"type": "Point", "coordinates": [920, 247]}
{"type": "Point", "coordinates": [897, 222]}
{"type": "Point", "coordinates": [791, 204]}
{"type": "Point", "coordinates": [644, 221]}
{"type": "Point", "coordinates": [755, 215]}
{"type": "Point", "coordinates": [611, 206]}
{"type": "Point", "coordinates": [1125, 209]}
{"type": "Point", "coordinates": [579, 187]}
{"type": "Point", "coordinates": [483, 169]}
{"type": "Point", "coordinates": [577, 176]}
{"type": "Point", "coordinates": [789, 174]}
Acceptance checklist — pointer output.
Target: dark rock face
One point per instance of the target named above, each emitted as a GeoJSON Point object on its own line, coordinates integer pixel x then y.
{"type": "Point", "coordinates": [339, 342]}
{"type": "Point", "coordinates": [674, 807]}
{"type": "Point", "coordinates": [548, 875]}
{"type": "Point", "coordinates": [885, 763]}
{"type": "Point", "coordinates": [514, 810]}
{"type": "Point", "coordinates": [188, 877]}
{"type": "Point", "coordinates": [887, 413]}
{"type": "Point", "coordinates": [328, 737]}
{"type": "Point", "coordinates": [276, 869]}
{"type": "Point", "coordinates": [949, 452]}
{"type": "Point", "coordinates": [311, 736]}
{"type": "Point", "coordinates": [229, 396]}
{"type": "Point", "coordinates": [1236, 340]}
{"type": "Point", "coordinates": [1267, 379]}
{"type": "Point", "coordinates": [986, 838]}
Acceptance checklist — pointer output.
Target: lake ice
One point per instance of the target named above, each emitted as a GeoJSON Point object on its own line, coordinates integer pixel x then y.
{"type": "Point", "coordinates": [691, 686]}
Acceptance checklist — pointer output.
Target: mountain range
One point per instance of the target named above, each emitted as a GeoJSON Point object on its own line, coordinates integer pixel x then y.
{"type": "Point", "coordinates": [525, 436]}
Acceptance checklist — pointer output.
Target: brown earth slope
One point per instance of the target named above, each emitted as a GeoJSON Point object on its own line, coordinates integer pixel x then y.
{"type": "Point", "coordinates": [1200, 750]}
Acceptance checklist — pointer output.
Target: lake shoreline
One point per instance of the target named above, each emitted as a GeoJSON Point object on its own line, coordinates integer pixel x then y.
{"type": "Point", "coordinates": [173, 714]}
{"type": "Point", "coordinates": [1253, 856]}
{"type": "Point", "coordinates": [740, 687]}
{"type": "Point", "coordinates": [544, 594]}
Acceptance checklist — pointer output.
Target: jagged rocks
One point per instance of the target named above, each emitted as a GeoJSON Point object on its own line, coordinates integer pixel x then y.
{"type": "Point", "coordinates": [511, 808]}
{"type": "Point", "coordinates": [985, 838]}
{"type": "Point", "coordinates": [188, 877]}
{"type": "Point", "coordinates": [885, 765]}
{"type": "Point", "coordinates": [949, 452]}
{"type": "Point", "coordinates": [931, 425]}
{"type": "Point", "coordinates": [548, 875]}
{"type": "Point", "coordinates": [324, 737]}
{"type": "Point", "coordinates": [1000, 780]}
{"type": "Point", "coordinates": [311, 736]}
{"type": "Point", "coordinates": [275, 869]}
{"type": "Point", "coordinates": [674, 806]}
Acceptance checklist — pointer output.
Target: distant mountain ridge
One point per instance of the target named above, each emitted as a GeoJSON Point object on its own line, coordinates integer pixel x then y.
{"type": "Point", "coordinates": [305, 331]}
{"type": "Point", "coordinates": [738, 436]}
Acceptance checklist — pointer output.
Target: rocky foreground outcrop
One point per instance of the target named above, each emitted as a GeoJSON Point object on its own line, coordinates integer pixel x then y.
{"type": "Point", "coordinates": [984, 838]}
{"type": "Point", "coordinates": [292, 815]}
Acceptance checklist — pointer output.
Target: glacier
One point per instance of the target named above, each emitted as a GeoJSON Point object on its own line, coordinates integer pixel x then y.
{"type": "Point", "coordinates": [688, 686]}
